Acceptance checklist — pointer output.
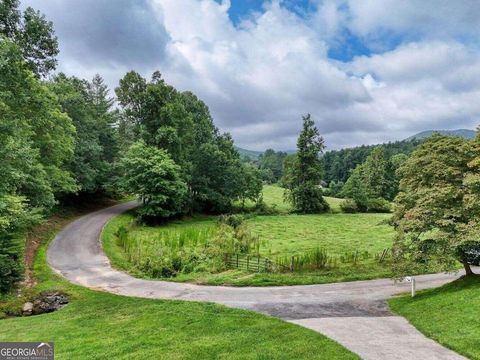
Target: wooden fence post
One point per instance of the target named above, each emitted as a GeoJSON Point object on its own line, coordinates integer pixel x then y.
{"type": "Point", "coordinates": [248, 260]}
{"type": "Point", "coordinates": [237, 261]}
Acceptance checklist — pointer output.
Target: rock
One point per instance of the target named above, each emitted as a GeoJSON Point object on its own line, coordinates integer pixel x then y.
{"type": "Point", "coordinates": [27, 308]}
{"type": "Point", "coordinates": [48, 302]}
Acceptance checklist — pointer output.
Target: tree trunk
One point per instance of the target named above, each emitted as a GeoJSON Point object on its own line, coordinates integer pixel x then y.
{"type": "Point", "coordinates": [468, 269]}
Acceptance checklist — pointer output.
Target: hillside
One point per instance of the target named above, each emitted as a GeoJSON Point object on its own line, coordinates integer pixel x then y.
{"type": "Point", "coordinates": [250, 153]}
{"type": "Point", "coordinates": [466, 133]}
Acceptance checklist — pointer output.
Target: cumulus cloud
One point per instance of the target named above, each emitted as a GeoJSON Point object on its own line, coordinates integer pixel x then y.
{"type": "Point", "coordinates": [259, 75]}
{"type": "Point", "coordinates": [105, 36]}
{"type": "Point", "coordinates": [432, 18]}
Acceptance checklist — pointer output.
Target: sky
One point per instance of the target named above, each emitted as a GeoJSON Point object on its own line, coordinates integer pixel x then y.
{"type": "Point", "coordinates": [367, 71]}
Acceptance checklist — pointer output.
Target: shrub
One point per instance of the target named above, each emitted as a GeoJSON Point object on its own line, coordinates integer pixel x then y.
{"type": "Point", "coordinates": [379, 205]}
{"type": "Point", "coordinates": [261, 208]}
{"type": "Point", "coordinates": [349, 206]}
{"type": "Point", "coordinates": [234, 220]}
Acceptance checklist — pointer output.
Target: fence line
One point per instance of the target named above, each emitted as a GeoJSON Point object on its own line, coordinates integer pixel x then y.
{"type": "Point", "coordinates": [248, 262]}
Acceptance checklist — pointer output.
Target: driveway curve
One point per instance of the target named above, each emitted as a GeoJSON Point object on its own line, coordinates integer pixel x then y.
{"type": "Point", "coordinates": [353, 313]}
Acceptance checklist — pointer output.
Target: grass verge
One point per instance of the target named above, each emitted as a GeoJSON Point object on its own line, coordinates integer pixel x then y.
{"type": "Point", "coordinates": [448, 314]}
{"type": "Point", "coordinates": [98, 325]}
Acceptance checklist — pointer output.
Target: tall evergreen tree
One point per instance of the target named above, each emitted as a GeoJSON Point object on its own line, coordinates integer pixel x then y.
{"type": "Point", "coordinates": [88, 105]}
{"type": "Point", "coordinates": [304, 175]}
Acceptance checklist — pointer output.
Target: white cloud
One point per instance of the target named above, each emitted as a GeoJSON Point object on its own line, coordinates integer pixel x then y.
{"type": "Point", "coordinates": [433, 18]}
{"type": "Point", "coordinates": [258, 77]}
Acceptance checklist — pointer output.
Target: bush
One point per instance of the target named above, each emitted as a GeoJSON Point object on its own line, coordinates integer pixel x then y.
{"type": "Point", "coordinates": [234, 220]}
{"type": "Point", "coordinates": [261, 208]}
{"type": "Point", "coordinates": [349, 206]}
{"type": "Point", "coordinates": [379, 205]}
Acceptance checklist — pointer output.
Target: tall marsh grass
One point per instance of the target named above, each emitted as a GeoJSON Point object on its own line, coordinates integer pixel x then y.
{"type": "Point", "coordinates": [168, 251]}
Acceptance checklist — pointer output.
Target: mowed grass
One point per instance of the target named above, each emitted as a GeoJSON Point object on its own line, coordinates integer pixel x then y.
{"type": "Point", "coordinates": [449, 314]}
{"type": "Point", "coordinates": [340, 235]}
{"type": "Point", "coordinates": [274, 196]}
{"type": "Point", "coordinates": [337, 233]}
{"type": "Point", "coordinates": [98, 325]}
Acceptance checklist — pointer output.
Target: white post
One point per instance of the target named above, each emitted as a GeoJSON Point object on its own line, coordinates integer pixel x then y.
{"type": "Point", "coordinates": [411, 279]}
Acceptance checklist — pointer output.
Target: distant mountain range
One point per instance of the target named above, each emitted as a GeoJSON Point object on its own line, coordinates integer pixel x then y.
{"type": "Point", "coordinates": [252, 154]}
{"type": "Point", "coordinates": [467, 134]}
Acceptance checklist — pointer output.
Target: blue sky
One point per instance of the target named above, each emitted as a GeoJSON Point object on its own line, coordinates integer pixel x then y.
{"type": "Point", "coordinates": [368, 71]}
{"type": "Point", "coordinates": [344, 50]}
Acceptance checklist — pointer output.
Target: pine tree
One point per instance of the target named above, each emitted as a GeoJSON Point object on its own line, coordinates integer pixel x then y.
{"type": "Point", "coordinates": [304, 173]}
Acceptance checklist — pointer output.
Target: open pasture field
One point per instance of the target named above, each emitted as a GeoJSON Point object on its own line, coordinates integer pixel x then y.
{"type": "Point", "coordinates": [352, 244]}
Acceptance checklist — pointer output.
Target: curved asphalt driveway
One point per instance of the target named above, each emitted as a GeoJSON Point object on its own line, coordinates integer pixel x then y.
{"type": "Point", "coordinates": [355, 313]}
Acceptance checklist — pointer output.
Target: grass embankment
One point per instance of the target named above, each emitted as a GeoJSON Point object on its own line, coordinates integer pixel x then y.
{"type": "Point", "coordinates": [97, 325]}
{"type": "Point", "coordinates": [449, 314]}
{"type": "Point", "coordinates": [281, 236]}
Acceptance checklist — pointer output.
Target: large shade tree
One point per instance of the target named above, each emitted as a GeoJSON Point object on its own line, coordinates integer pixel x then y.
{"type": "Point", "coordinates": [437, 209]}
{"type": "Point", "coordinates": [151, 173]}
{"type": "Point", "coordinates": [32, 33]}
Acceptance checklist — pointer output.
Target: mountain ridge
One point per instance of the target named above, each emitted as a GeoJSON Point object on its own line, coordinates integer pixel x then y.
{"type": "Point", "coordinates": [465, 133]}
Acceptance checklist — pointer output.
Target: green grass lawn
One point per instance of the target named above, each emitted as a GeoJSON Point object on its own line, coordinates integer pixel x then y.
{"type": "Point", "coordinates": [97, 325]}
{"type": "Point", "coordinates": [449, 314]}
{"type": "Point", "coordinates": [273, 195]}
{"type": "Point", "coordinates": [281, 236]}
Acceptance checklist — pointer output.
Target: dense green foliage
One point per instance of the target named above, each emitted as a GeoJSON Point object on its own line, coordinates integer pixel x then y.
{"type": "Point", "coordinates": [89, 107]}
{"type": "Point", "coordinates": [372, 183]}
{"type": "Point", "coordinates": [151, 173]}
{"type": "Point", "coordinates": [437, 210]}
{"type": "Point", "coordinates": [270, 164]}
{"type": "Point", "coordinates": [448, 314]}
{"type": "Point", "coordinates": [338, 164]}
{"type": "Point", "coordinates": [36, 143]}
{"type": "Point", "coordinates": [303, 173]}
{"type": "Point", "coordinates": [32, 33]}
{"type": "Point", "coordinates": [181, 124]}
{"type": "Point", "coordinates": [61, 141]}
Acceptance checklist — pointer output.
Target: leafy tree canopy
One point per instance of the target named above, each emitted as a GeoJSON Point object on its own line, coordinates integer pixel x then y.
{"type": "Point", "coordinates": [32, 33]}
{"type": "Point", "coordinates": [437, 213]}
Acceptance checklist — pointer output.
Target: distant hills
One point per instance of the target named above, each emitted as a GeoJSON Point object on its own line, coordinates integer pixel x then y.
{"type": "Point", "coordinates": [250, 153]}
{"type": "Point", "coordinates": [466, 133]}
